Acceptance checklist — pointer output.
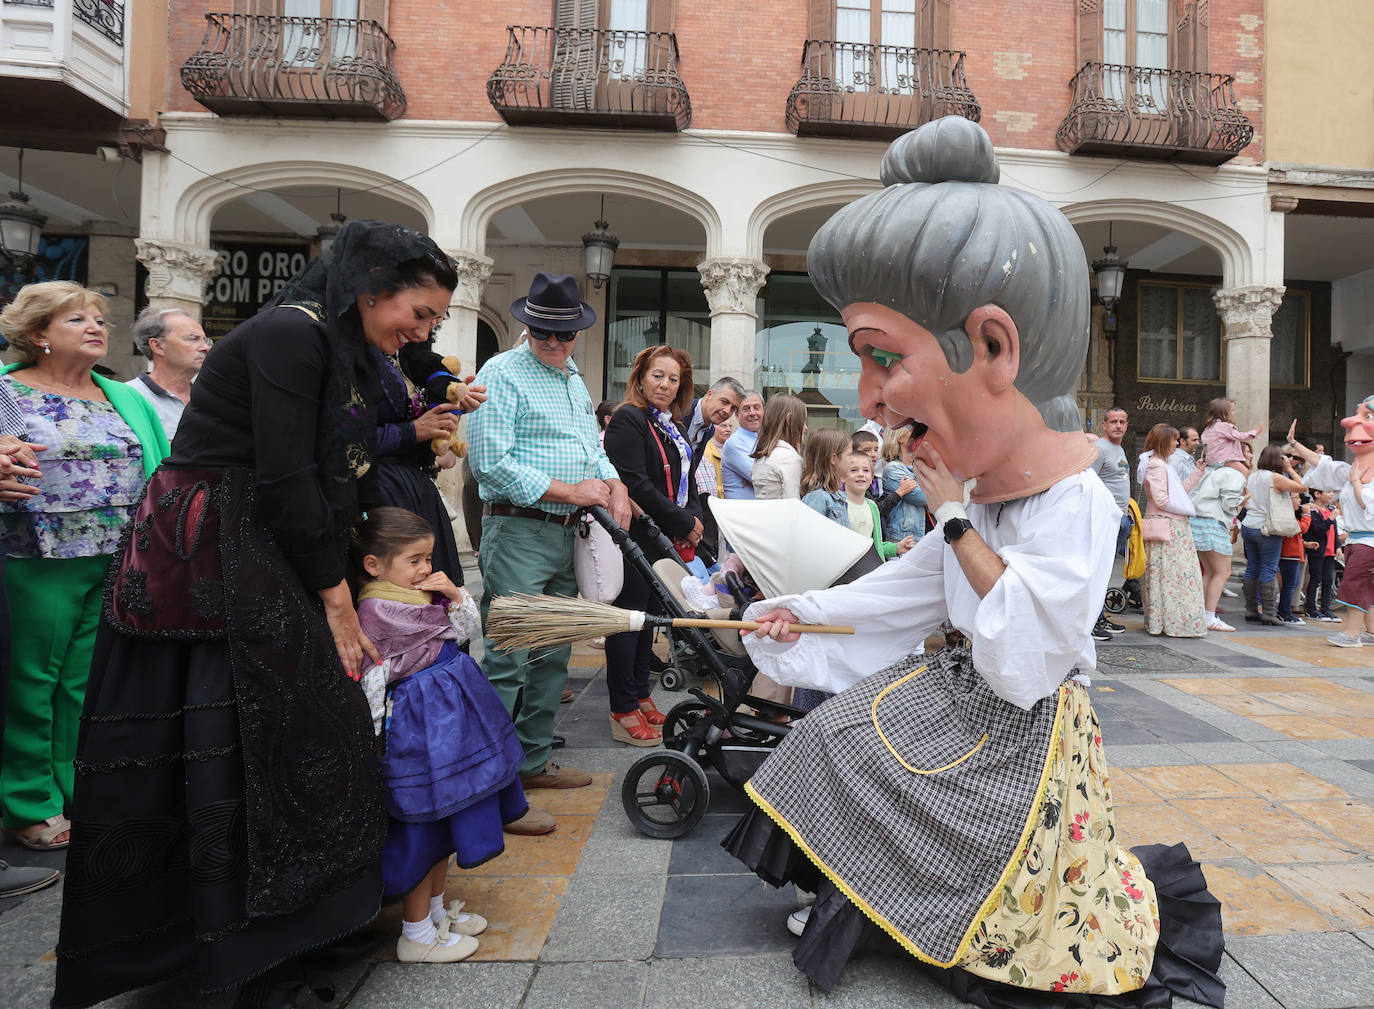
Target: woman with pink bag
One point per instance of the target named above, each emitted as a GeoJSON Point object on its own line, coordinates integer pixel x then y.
{"type": "Point", "coordinates": [1172, 586]}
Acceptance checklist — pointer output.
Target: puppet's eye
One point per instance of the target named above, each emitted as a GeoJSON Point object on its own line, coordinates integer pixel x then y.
{"type": "Point", "coordinates": [884, 358]}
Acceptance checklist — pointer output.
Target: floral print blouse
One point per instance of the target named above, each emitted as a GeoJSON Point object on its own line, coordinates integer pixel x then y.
{"type": "Point", "coordinates": [92, 476]}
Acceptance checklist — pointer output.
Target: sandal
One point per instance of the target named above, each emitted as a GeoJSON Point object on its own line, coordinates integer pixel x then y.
{"type": "Point", "coordinates": [650, 711]}
{"type": "Point", "coordinates": [42, 840]}
{"type": "Point", "coordinates": [633, 728]}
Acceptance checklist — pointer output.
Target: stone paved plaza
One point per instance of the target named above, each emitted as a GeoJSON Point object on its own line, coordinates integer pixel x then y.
{"type": "Point", "coordinates": [1255, 748]}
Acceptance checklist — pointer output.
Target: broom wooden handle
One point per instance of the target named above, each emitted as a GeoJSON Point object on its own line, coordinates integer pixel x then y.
{"type": "Point", "coordinates": [750, 625]}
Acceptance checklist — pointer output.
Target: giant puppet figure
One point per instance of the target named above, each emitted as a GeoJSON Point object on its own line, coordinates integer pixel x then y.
{"type": "Point", "coordinates": [959, 802]}
{"type": "Point", "coordinates": [1353, 485]}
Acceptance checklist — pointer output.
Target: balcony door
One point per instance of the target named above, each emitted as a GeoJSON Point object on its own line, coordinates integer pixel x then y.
{"type": "Point", "coordinates": [1135, 33]}
{"type": "Point", "coordinates": [605, 52]}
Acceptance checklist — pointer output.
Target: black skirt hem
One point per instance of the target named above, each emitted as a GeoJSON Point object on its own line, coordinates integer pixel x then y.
{"type": "Point", "coordinates": [1186, 961]}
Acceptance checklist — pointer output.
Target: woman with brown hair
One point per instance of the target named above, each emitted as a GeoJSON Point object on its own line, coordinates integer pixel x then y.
{"type": "Point", "coordinates": [102, 440]}
{"type": "Point", "coordinates": [777, 456]}
{"type": "Point", "coordinates": [647, 445]}
{"type": "Point", "coordinates": [1172, 585]}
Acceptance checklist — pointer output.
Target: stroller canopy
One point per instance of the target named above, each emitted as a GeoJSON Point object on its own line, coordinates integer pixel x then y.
{"type": "Point", "coordinates": [786, 546]}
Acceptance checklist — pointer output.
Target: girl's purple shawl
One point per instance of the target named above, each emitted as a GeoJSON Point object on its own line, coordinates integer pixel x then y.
{"type": "Point", "coordinates": [409, 635]}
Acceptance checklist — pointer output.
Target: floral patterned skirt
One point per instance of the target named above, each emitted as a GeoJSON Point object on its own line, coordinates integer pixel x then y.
{"type": "Point", "coordinates": [1077, 913]}
{"type": "Point", "coordinates": [1172, 585]}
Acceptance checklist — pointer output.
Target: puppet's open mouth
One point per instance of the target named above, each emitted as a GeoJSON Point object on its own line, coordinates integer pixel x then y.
{"type": "Point", "coordinates": [916, 432]}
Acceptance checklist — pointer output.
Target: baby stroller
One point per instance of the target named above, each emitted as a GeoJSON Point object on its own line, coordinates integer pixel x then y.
{"type": "Point", "coordinates": [666, 792]}
{"type": "Point", "coordinates": [1128, 595]}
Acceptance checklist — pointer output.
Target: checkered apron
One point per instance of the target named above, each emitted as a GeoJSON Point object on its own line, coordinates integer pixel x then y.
{"type": "Point", "coordinates": [913, 791]}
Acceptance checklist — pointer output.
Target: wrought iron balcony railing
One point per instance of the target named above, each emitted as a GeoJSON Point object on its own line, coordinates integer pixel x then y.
{"type": "Point", "coordinates": [1145, 112]}
{"type": "Point", "coordinates": [590, 77]}
{"type": "Point", "coordinates": [307, 68]}
{"type": "Point", "coordinates": [853, 89]}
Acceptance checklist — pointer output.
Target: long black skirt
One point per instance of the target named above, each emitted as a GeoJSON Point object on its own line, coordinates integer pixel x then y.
{"type": "Point", "coordinates": [157, 872]}
{"type": "Point", "coordinates": [402, 485]}
{"type": "Point", "coordinates": [1186, 958]}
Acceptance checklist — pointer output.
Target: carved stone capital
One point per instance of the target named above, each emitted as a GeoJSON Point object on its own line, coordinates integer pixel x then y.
{"type": "Point", "coordinates": [1246, 312]}
{"type": "Point", "coordinates": [732, 285]}
{"type": "Point", "coordinates": [177, 270]}
{"type": "Point", "coordinates": [473, 273]}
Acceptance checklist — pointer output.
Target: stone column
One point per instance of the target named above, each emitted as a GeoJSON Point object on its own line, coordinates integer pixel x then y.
{"type": "Point", "coordinates": [732, 287]}
{"type": "Point", "coordinates": [1246, 313]}
{"type": "Point", "coordinates": [178, 273]}
{"type": "Point", "coordinates": [458, 334]}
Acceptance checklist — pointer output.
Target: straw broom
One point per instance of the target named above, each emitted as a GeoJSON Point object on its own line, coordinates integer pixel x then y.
{"type": "Point", "coordinates": [525, 621]}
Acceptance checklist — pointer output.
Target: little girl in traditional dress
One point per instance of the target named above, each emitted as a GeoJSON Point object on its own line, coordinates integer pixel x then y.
{"type": "Point", "coordinates": [451, 758]}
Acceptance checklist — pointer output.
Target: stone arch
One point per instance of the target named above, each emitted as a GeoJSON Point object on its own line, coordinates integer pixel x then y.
{"type": "Point", "coordinates": [1238, 262]}
{"type": "Point", "coordinates": [780, 205]}
{"type": "Point", "coordinates": [510, 192]}
{"type": "Point", "coordinates": [195, 209]}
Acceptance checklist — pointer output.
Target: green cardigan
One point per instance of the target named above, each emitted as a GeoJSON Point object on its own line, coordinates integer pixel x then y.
{"type": "Point", "coordinates": [137, 412]}
{"type": "Point", "coordinates": [886, 548]}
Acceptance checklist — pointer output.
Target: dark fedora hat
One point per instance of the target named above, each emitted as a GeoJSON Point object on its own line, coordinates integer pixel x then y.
{"type": "Point", "coordinates": [554, 304]}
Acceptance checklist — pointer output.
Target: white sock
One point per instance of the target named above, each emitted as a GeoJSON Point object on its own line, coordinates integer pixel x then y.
{"type": "Point", "coordinates": [1211, 615]}
{"type": "Point", "coordinates": [421, 931]}
{"type": "Point", "coordinates": [437, 911]}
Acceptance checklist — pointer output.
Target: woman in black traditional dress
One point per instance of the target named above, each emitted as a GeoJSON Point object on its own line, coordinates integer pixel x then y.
{"type": "Point", "coordinates": [228, 811]}
{"type": "Point", "coordinates": [406, 465]}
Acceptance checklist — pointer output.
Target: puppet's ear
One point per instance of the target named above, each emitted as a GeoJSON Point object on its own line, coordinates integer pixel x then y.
{"type": "Point", "coordinates": [996, 346]}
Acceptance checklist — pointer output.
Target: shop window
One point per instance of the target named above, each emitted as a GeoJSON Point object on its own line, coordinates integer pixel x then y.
{"type": "Point", "coordinates": [1288, 351]}
{"type": "Point", "coordinates": [802, 348]}
{"type": "Point", "coordinates": [1179, 333]}
{"type": "Point", "coordinates": [649, 306]}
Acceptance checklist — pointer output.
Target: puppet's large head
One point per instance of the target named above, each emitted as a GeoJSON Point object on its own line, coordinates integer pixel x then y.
{"type": "Point", "coordinates": [1359, 429]}
{"type": "Point", "coordinates": [994, 276]}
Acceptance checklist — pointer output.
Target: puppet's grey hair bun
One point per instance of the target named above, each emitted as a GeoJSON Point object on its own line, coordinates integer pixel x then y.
{"type": "Point", "coordinates": [951, 149]}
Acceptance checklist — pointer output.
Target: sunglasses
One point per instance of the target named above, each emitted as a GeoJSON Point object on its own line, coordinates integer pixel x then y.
{"type": "Point", "coordinates": [542, 334]}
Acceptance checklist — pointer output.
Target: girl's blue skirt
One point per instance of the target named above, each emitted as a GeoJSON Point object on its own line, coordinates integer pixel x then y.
{"type": "Point", "coordinates": [451, 769]}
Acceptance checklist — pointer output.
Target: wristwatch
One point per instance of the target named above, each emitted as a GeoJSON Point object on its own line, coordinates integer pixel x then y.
{"type": "Point", "coordinates": [955, 528]}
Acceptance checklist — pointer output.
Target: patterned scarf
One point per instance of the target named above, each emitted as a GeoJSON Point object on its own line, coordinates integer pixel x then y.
{"type": "Point", "coordinates": [684, 451]}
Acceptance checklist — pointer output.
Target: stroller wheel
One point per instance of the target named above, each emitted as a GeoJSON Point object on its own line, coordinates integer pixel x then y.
{"type": "Point", "coordinates": [1116, 601]}
{"type": "Point", "coordinates": [671, 678]}
{"type": "Point", "coordinates": [665, 794]}
{"type": "Point", "coordinates": [681, 719]}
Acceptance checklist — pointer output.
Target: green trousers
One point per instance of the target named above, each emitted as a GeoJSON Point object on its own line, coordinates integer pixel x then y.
{"type": "Point", "coordinates": [526, 555]}
{"type": "Point", "coordinates": [54, 612]}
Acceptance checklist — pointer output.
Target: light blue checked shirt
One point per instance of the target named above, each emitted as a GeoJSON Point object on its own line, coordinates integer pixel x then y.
{"type": "Point", "coordinates": [537, 426]}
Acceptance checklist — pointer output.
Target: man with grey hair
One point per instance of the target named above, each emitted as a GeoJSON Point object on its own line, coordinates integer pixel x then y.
{"type": "Point", "coordinates": [719, 404]}
{"type": "Point", "coordinates": [176, 345]}
{"type": "Point", "coordinates": [736, 457]}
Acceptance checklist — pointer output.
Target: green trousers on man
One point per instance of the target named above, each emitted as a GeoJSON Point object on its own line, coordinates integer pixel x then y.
{"type": "Point", "coordinates": [54, 613]}
{"type": "Point", "coordinates": [527, 555]}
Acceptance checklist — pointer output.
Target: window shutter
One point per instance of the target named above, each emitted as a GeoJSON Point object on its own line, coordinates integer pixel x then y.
{"type": "Point", "coordinates": [1089, 31]}
{"type": "Point", "coordinates": [932, 25]}
{"type": "Point", "coordinates": [661, 14]}
{"type": "Point", "coordinates": [1202, 17]}
{"type": "Point", "coordinates": [821, 19]}
{"type": "Point", "coordinates": [575, 13]}
{"type": "Point", "coordinates": [373, 10]}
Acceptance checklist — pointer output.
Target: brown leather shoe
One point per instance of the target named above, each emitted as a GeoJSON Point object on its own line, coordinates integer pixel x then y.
{"type": "Point", "coordinates": [534, 823]}
{"type": "Point", "coordinates": [554, 776]}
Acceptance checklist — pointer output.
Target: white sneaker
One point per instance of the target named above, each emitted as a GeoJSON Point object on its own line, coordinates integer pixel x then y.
{"type": "Point", "coordinates": [1229, 593]}
{"type": "Point", "coordinates": [1218, 624]}
{"type": "Point", "coordinates": [1344, 640]}
{"type": "Point", "coordinates": [796, 921]}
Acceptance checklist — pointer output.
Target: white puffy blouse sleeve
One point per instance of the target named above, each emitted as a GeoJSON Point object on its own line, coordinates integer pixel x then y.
{"type": "Point", "coordinates": [1327, 474]}
{"type": "Point", "coordinates": [1034, 627]}
{"type": "Point", "coordinates": [891, 610]}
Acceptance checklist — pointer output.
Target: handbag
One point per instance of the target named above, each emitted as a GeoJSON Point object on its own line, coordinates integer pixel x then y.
{"type": "Point", "coordinates": [597, 563]}
{"type": "Point", "coordinates": [1279, 520]}
{"type": "Point", "coordinates": [1156, 530]}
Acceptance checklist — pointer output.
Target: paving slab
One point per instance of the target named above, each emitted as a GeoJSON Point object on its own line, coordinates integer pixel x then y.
{"type": "Point", "coordinates": [1150, 755]}
{"type": "Point", "coordinates": [1124, 657]}
{"type": "Point", "coordinates": [1330, 970]}
{"type": "Point", "coordinates": [700, 853]}
{"type": "Point", "coordinates": [616, 848]}
{"type": "Point", "coordinates": [444, 986]}
{"type": "Point", "coordinates": [599, 985]}
{"type": "Point", "coordinates": [741, 982]}
{"type": "Point", "coordinates": [712, 916]}
{"type": "Point", "coordinates": [882, 982]}
{"type": "Point", "coordinates": [606, 918]}
{"type": "Point", "coordinates": [1242, 990]}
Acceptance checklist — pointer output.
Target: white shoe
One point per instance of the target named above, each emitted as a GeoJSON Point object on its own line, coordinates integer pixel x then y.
{"type": "Point", "coordinates": [796, 921]}
{"type": "Point", "coordinates": [465, 923]}
{"type": "Point", "coordinates": [438, 951]}
{"type": "Point", "coordinates": [1218, 624]}
{"type": "Point", "coordinates": [1229, 593]}
{"type": "Point", "coordinates": [1344, 640]}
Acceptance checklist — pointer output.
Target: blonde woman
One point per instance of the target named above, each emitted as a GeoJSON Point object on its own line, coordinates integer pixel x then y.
{"type": "Point", "coordinates": [103, 439]}
{"type": "Point", "coordinates": [777, 457]}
